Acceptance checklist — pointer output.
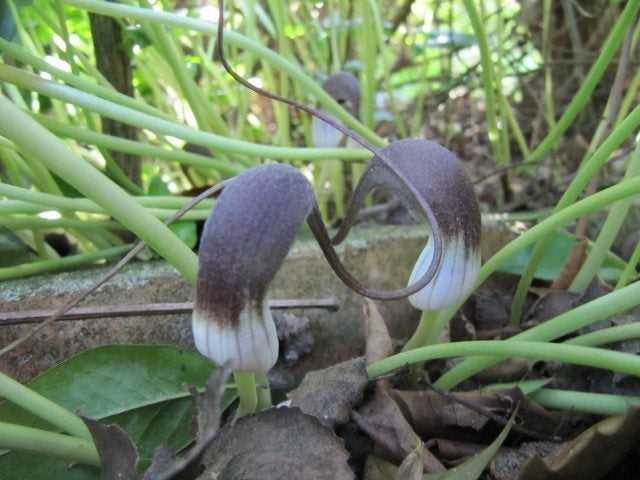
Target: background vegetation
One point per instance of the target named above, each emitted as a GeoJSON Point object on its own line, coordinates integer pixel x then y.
{"type": "Point", "coordinates": [138, 95]}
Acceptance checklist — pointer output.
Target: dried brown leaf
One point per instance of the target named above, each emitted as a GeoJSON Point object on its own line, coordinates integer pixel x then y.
{"type": "Point", "coordinates": [591, 454]}
{"type": "Point", "coordinates": [412, 467]}
{"type": "Point", "coordinates": [453, 450]}
{"type": "Point", "coordinates": [378, 341]}
{"type": "Point", "coordinates": [572, 266]}
{"type": "Point", "coordinates": [439, 414]}
{"type": "Point", "coordinates": [384, 422]}
{"type": "Point", "coordinates": [280, 443]}
{"type": "Point", "coordinates": [330, 394]}
{"type": "Point", "coordinates": [118, 454]}
{"type": "Point", "coordinates": [433, 414]}
{"type": "Point", "coordinates": [209, 410]}
{"type": "Point", "coordinates": [553, 303]}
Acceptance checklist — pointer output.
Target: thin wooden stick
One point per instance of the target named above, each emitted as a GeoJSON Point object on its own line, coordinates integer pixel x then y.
{"type": "Point", "coordinates": [148, 309]}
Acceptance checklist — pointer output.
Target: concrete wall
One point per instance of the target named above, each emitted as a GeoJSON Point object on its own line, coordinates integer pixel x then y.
{"type": "Point", "coordinates": [380, 257]}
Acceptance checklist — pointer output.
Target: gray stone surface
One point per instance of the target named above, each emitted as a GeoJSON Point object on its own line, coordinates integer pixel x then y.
{"type": "Point", "coordinates": [381, 257]}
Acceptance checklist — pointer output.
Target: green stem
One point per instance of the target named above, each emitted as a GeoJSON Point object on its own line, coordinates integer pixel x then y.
{"type": "Point", "coordinates": [428, 331]}
{"type": "Point", "coordinates": [608, 233]}
{"type": "Point", "coordinates": [10, 207]}
{"type": "Point", "coordinates": [487, 77]}
{"type": "Point", "coordinates": [197, 101]}
{"type": "Point", "coordinates": [246, 387]}
{"type": "Point", "coordinates": [590, 166]}
{"type": "Point", "coordinates": [264, 392]}
{"type": "Point", "coordinates": [43, 408]}
{"type": "Point", "coordinates": [142, 120]}
{"type": "Point", "coordinates": [35, 140]}
{"type": "Point", "coordinates": [63, 447]}
{"type": "Point", "coordinates": [38, 223]}
{"type": "Point", "coordinates": [629, 271]}
{"type": "Point", "coordinates": [138, 148]}
{"type": "Point", "coordinates": [41, 246]}
{"type": "Point", "coordinates": [22, 54]}
{"type": "Point", "coordinates": [583, 207]}
{"type": "Point", "coordinates": [605, 336]}
{"type": "Point", "coordinates": [233, 38]}
{"type": "Point", "coordinates": [64, 263]}
{"type": "Point", "coordinates": [579, 355]}
{"type": "Point", "coordinates": [515, 127]}
{"type": "Point", "coordinates": [629, 97]}
{"type": "Point", "coordinates": [83, 204]}
{"type": "Point", "coordinates": [592, 403]}
{"type": "Point", "coordinates": [599, 309]}
{"type": "Point", "coordinates": [549, 108]}
{"type": "Point", "coordinates": [587, 87]}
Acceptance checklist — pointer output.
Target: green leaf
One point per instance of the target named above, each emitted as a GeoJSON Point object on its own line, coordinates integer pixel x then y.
{"type": "Point", "coordinates": [473, 468]}
{"type": "Point", "coordinates": [142, 388]}
{"type": "Point", "coordinates": [110, 380]}
{"type": "Point", "coordinates": [169, 423]}
{"type": "Point", "coordinates": [186, 231]}
{"type": "Point", "coordinates": [157, 187]}
{"type": "Point", "coordinates": [554, 257]}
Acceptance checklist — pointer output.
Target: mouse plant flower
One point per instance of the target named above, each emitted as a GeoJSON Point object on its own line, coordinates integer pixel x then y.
{"type": "Point", "coordinates": [439, 178]}
{"type": "Point", "coordinates": [344, 88]}
{"type": "Point", "coordinates": [244, 242]}
{"type": "Point", "coordinates": [253, 225]}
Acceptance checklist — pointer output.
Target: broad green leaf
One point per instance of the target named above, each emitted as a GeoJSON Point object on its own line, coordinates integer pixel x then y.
{"type": "Point", "coordinates": [554, 257]}
{"type": "Point", "coordinates": [113, 379]}
{"type": "Point", "coordinates": [142, 388]}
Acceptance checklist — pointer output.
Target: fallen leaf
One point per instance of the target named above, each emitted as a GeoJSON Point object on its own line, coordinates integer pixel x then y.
{"type": "Point", "coordinates": [553, 303]}
{"type": "Point", "coordinates": [490, 309]}
{"type": "Point", "coordinates": [279, 443]}
{"type": "Point", "coordinates": [444, 415]}
{"type": "Point", "coordinates": [376, 468]}
{"type": "Point", "coordinates": [118, 454]}
{"type": "Point", "coordinates": [384, 422]}
{"type": "Point", "coordinates": [461, 328]}
{"type": "Point", "coordinates": [591, 454]}
{"type": "Point", "coordinates": [510, 370]}
{"type": "Point", "coordinates": [473, 468]}
{"type": "Point", "coordinates": [209, 409]}
{"type": "Point", "coordinates": [162, 461]}
{"type": "Point", "coordinates": [412, 467]}
{"type": "Point", "coordinates": [452, 450]}
{"type": "Point", "coordinates": [378, 341]}
{"type": "Point", "coordinates": [435, 415]}
{"type": "Point", "coordinates": [330, 394]}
